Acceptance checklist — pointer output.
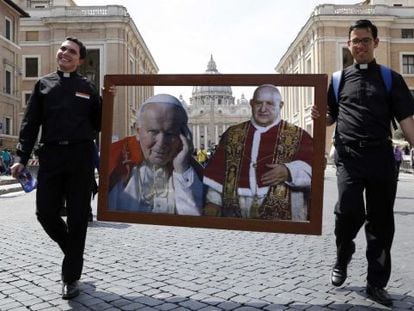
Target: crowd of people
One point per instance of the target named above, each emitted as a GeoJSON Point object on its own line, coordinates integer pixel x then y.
{"type": "Point", "coordinates": [6, 161]}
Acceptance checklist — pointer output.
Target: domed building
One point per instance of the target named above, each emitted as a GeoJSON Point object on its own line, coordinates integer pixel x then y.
{"type": "Point", "coordinates": [212, 109]}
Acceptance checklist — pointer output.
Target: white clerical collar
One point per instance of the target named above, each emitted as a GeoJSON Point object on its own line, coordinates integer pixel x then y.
{"type": "Point", "coordinates": [263, 129]}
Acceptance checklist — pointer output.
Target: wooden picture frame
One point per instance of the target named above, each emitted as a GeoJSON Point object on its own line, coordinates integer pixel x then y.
{"type": "Point", "coordinates": [313, 226]}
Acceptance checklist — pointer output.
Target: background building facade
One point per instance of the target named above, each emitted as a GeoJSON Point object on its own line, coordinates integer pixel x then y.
{"type": "Point", "coordinates": [321, 47]}
{"type": "Point", "coordinates": [10, 73]}
{"type": "Point", "coordinates": [114, 46]}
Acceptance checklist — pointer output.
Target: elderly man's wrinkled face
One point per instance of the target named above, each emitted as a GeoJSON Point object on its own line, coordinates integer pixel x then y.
{"type": "Point", "coordinates": [265, 109]}
{"type": "Point", "coordinates": [159, 133]}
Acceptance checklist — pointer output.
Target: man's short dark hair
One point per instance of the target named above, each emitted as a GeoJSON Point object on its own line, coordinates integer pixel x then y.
{"type": "Point", "coordinates": [364, 24]}
{"type": "Point", "coordinates": [82, 48]}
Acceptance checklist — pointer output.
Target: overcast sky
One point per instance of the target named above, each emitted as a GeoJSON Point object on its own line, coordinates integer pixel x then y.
{"type": "Point", "coordinates": [244, 36]}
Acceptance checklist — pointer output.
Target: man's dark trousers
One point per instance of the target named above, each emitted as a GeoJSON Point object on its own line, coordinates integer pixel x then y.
{"type": "Point", "coordinates": [66, 171]}
{"type": "Point", "coordinates": [371, 169]}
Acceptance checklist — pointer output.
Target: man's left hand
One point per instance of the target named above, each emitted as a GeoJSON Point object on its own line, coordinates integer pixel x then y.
{"type": "Point", "coordinates": [181, 161]}
{"type": "Point", "coordinates": [277, 174]}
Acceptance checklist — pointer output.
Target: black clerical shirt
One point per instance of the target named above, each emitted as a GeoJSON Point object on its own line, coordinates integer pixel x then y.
{"type": "Point", "coordinates": [67, 108]}
{"type": "Point", "coordinates": [365, 107]}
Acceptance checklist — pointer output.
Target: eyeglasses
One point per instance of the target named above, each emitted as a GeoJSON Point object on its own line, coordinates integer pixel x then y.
{"type": "Point", "coordinates": [363, 41]}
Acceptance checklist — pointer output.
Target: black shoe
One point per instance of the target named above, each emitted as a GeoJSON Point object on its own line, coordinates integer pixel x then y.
{"type": "Point", "coordinates": [379, 295]}
{"type": "Point", "coordinates": [90, 218]}
{"type": "Point", "coordinates": [70, 290]}
{"type": "Point", "coordinates": [339, 271]}
{"type": "Point", "coordinates": [338, 275]}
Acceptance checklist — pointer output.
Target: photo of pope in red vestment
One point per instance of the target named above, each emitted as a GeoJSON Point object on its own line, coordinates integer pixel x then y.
{"type": "Point", "coordinates": [262, 168]}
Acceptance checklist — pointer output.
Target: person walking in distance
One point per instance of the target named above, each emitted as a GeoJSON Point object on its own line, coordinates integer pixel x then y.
{"type": "Point", "coordinates": [364, 158]}
{"type": "Point", "coordinates": [67, 108]}
{"type": "Point", "coordinates": [398, 156]}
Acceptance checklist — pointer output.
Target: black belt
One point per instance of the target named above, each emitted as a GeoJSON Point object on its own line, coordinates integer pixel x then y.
{"type": "Point", "coordinates": [368, 143]}
{"type": "Point", "coordinates": [66, 142]}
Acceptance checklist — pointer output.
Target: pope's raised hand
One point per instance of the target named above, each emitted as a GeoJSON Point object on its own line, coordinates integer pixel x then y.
{"type": "Point", "coordinates": [181, 161]}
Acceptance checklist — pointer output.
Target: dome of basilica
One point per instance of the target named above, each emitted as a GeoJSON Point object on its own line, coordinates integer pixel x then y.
{"type": "Point", "coordinates": [212, 89]}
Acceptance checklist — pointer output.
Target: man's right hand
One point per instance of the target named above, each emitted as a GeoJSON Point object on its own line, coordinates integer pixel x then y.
{"type": "Point", "coordinates": [315, 112]}
{"type": "Point", "coordinates": [16, 169]}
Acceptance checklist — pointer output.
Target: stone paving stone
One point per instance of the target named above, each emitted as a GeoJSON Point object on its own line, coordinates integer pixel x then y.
{"type": "Point", "coordinates": [10, 304]}
{"type": "Point", "coordinates": [240, 299]}
{"type": "Point", "coordinates": [32, 302]}
{"type": "Point", "coordinates": [100, 306]}
{"type": "Point", "coordinates": [211, 308]}
{"type": "Point", "coordinates": [277, 300]}
{"type": "Point", "coordinates": [275, 307]}
{"type": "Point", "coordinates": [119, 303]}
{"type": "Point", "coordinates": [337, 306]}
{"type": "Point", "coordinates": [210, 300]}
{"type": "Point", "coordinates": [210, 290]}
{"type": "Point", "coordinates": [166, 307]}
{"type": "Point", "coordinates": [148, 301]}
{"type": "Point", "coordinates": [132, 306]}
{"type": "Point", "coordinates": [151, 292]}
{"type": "Point", "coordinates": [41, 306]}
{"type": "Point", "coordinates": [228, 305]}
{"type": "Point", "coordinates": [177, 291]}
{"type": "Point", "coordinates": [175, 299]}
{"type": "Point", "coordinates": [192, 304]}
{"type": "Point", "coordinates": [256, 303]}
{"type": "Point", "coordinates": [257, 294]}
{"type": "Point", "coordinates": [319, 302]}
{"type": "Point", "coordinates": [162, 296]}
{"type": "Point", "coordinates": [225, 294]}
{"type": "Point", "coordinates": [18, 309]}
{"type": "Point", "coordinates": [316, 308]}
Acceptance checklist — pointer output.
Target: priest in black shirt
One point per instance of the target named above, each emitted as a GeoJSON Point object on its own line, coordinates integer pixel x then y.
{"type": "Point", "coordinates": [363, 110]}
{"type": "Point", "coordinates": [66, 107]}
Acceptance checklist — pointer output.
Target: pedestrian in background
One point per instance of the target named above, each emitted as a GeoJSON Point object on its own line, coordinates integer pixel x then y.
{"type": "Point", "coordinates": [364, 158]}
{"type": "Point", "coordinates": [398, 159]}
{"type": "Point", "coordinates": [202, 156]}
{"type": "Point", "coordinates": [7, 160]}
{"type": "Point", "coordinates": [67, 108]}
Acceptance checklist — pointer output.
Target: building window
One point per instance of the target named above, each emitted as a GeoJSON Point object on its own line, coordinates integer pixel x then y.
{"type": "Point", "coordinates": [31, 67]}
{"type": "Point", "coordinates": [39, 4]}
{"type": "Point", "coordinates": [8, 82]}
{"type": "Point", "coordinates": [7, 126]}
{"type": "Point", "coordinates": [347, 58]}
{"type": "Point", "coordinates": [32, 36]}
{"type": "Point", "coordinates": [408, 64]}
{"type": "Point", "coordinates": [407, 33]}
{"type": "Point", "coordinates": [9, 29]}
{"type": "Point", "coordinates": [26, 97]}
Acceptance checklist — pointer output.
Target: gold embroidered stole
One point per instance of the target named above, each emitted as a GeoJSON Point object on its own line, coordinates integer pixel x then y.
{"type": "Point", "coordinates": [234, 149]}
{"type": "Point", "coordinates": [276, 205]}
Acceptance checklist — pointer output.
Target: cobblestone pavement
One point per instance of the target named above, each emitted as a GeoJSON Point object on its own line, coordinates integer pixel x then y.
{"type": "Point", "coordinates": [146, 267]}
